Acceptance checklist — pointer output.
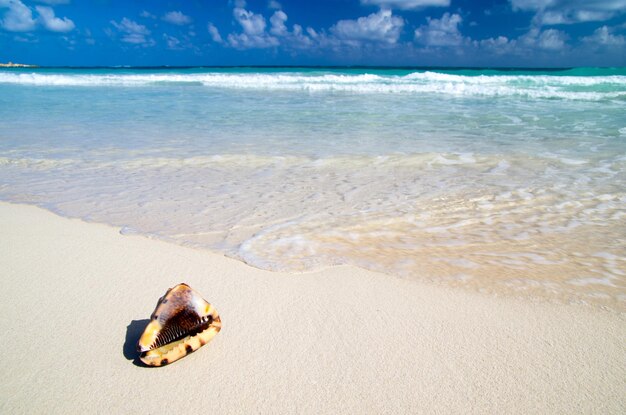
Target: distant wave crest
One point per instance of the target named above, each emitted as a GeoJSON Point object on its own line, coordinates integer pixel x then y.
{"type": "Point", "coordinates": [532, 86]}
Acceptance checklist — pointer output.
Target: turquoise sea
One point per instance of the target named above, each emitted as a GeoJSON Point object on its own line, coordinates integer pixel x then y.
{"type": "Point", "coordinates": [505, 181]}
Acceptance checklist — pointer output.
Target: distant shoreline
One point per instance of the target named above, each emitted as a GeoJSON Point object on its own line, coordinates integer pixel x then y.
{"type": "Point", "coordinates": [17, 65]}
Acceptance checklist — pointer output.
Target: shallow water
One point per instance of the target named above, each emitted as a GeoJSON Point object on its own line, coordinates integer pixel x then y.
{"type": "Point", "coordinates": [509, 182]}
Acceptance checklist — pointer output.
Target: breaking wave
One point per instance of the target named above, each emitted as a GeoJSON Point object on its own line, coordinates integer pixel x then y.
{"type": "Point", "coordinates": [593, 88]}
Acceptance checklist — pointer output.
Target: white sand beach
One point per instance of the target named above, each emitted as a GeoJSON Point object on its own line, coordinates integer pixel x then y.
{"type": "Point", "coordinates": [75, 297]}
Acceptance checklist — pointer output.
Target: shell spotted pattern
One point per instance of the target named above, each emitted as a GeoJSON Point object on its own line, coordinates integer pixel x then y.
{"type": "Point", "coordinates": [181, 323]}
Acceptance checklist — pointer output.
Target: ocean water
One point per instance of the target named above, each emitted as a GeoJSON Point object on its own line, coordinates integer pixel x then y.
{"type": "Point", "coordinates": [509, 182]}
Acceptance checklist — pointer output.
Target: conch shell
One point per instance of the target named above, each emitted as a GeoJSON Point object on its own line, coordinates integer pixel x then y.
{"type": "Point", "coordinates": [181, 323]}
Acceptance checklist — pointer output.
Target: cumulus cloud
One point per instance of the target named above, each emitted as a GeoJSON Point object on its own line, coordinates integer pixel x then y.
{"type": "Point", "coordinates": [550, 39]}
{"type": "Point", "coordinates": [180, 42]}
{"type": "Point", "coordinates": [552, 17]}
{"type": "Point", "coordinates": [253, 35]}
{"type": "Point", "coordinates": [176, 18]}
{"type": "Point", "coordinates": [53, 23]}
{"type": "Point", "coordinates": [278, 20]}
{"type": "Point", "coordinates": [383, 29]}
{"type": "Point", "coordinates": [441, 32]}
{"type": "Point", "coordinates": [274, 5]}
{"type": "Point", "coordinates": [498, 45]}
{"type": "Point", "coordinates": [252, 24]}
{"type": "Point", "coordinates": [603, 36]}
{"type": "Point", "coordinates": [215, 34]}
{"type": "Point", "coordinates": [298, 39]}
{"type": "Point", "coordinates": [53, 2]}
{"type": "Point", "coordinates": [444, 35]}
{"type": "Point", "coordinates": [556, 12]}
{"type": "Point", "coordinates": [407, 4]}
{"type": "Point", "coordinates": [171, 42]}
{"type": "Point", "coordinates": [256, 33]}
{"type": "Point", "coordinates": [147, 15]}
{"type": "Point", "coordinates": [18, 17]}
{"type": "Point", "coordinates": [294, 39]}
{"type": "Point", "coordinates": [133, 32]}
{"type": "Point", "coordinates": [381, 26]}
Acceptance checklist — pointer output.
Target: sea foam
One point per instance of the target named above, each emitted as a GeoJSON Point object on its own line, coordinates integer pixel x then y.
{"type": "Point", "coordinates": [537, 86]}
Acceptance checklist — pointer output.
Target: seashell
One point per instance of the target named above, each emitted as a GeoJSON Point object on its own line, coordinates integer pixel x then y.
{"type": "Point", "coordinates": [181, 323]}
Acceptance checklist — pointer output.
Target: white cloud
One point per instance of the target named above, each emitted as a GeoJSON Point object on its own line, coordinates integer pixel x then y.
{"type": "Point", "coordinates": [89, 37]}
{"type": "Point", "coordinates": [499, 45]}
{"type": "Point", "coordinates": [551, 39]}
{"type": "Point", "coordinates": [378, 27]}
{"type": "Point", "coordinates": [53, 23]}
{"type": "Point", "coordinates": [555, 12]}
{"type": "Point", "coordinates": [70, 42]}
{"type": "Point", "coordinates": [445, 32]}
{"type": "Point", "coordinates": [147, 15]}
{"type": "Point", "coordinates": [18, 17]}
{"type": "Point", "coordinates": [252, 24]}
{"type": "Point", "coordinates": [534, 44]}
{"type": "Point", "coordinates": [273, 4]}
{"type": "Point", "coordinates": [244, 41]}
{"type": "Point", "coordinates": [182, 42]}
{"type": "Point", "coordinates": [407, 4]}
{"type": "Point", "coordinates": [54, 2]}
{"type": "Point", "coordinates": [136, 39]}
{"type": "Point", "coordinates": [133, 32]}
{"type": "Point", "coordinates": [177, 18]}
{"type": "Point", "coordinates": [294, 39]}
{"type": "Point", "coordinates": [278, 20]}
{"type": "Point", "coordinates": [441, 32]}
{"type": "Point", "coordinates": [603, 36]}
{"type": "Point", "coordinates": [254, 35]}
{"type": "Point", "coordinates": [532, 5]}
{"type": "Point", "coordinates": [552, 17]}
{"type": "Point", "coordinates": [129, 26]}
{"type": "Point", "coordinates": [26, 38]}
{"type": "Point", "coordinates": [299, 40]}
{"type": "Point", "coordinates": [255, 32]}
{"type": "Point", "coordinates": [172, 42]}
{"type": "Point", "coordinates": [215, 34]}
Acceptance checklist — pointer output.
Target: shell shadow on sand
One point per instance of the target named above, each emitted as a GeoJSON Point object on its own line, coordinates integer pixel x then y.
{"type": "Point", "coordinates": [133, 333]}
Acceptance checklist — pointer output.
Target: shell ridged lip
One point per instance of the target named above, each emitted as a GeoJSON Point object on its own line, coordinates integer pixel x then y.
{"type": "Point", "coordinates": [181, 323]}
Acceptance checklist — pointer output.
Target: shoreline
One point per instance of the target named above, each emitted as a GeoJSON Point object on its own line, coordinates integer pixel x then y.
{"type": "Point", "coordinates": [534, 296]}
{"type": "Point", "coordinates": [17, 65]}
{"type": "Point", "coordinates": [342, 339]}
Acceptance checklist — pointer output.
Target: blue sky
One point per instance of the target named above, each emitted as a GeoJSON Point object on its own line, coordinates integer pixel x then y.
{"type": "Point", "coordinates": [320, 32]}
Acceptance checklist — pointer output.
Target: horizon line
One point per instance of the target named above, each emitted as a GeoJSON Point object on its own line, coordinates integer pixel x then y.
{"type": "Point", "coordinates": [551, 68]}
